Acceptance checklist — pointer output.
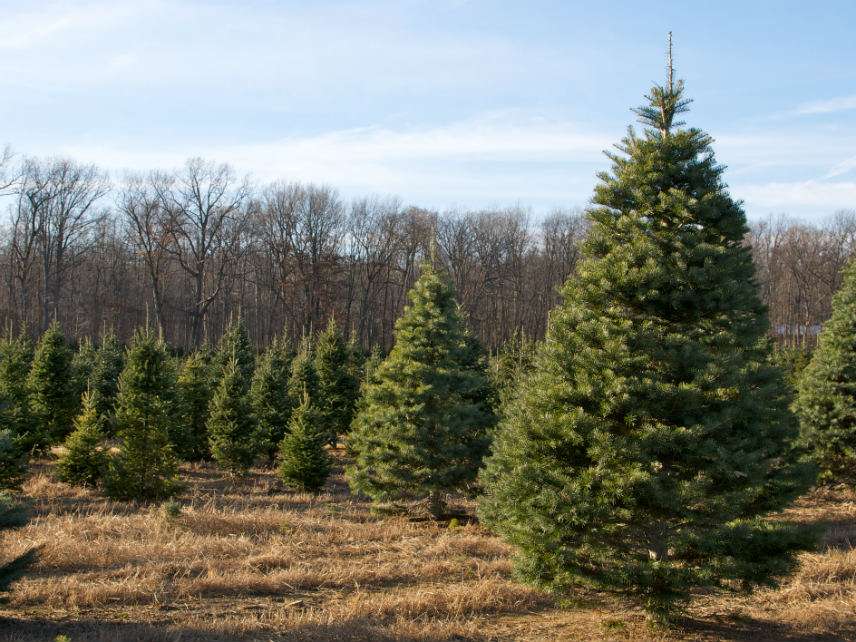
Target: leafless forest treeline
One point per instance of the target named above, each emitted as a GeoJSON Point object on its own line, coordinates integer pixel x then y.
{"type": "Point", "coordinates": [189, 249]}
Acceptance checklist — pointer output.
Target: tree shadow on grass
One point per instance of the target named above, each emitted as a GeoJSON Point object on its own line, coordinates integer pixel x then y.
{"type": "Point", "coordinates": [32, 630]}
{"type": "Point", "coordinates": [738, 628]}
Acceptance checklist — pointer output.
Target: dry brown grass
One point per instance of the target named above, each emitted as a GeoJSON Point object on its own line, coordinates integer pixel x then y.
{"type": "Point", "coordinates": [248, 560]}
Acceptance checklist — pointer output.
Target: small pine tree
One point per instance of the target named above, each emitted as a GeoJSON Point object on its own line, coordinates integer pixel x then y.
{"type": "Point", "coordinates": [145, 468]}
{"type": "Point", "coordinates": [104, 379]}
{"type": "Point", "coordinates": [85, 459]}
{"type": "Point", "coordinates": [194, 398]}
{"type": "Point", "coordinates": [51, 389]}
{"type": "Point", "coordinates": [235, 345]}
{"type": "Point", "coordinates": [421, 432]}
{"type": "Point", "coordinates": [652, 437]}
{"type": "Point", "coordinates": [271, 401]}
{"type": "Point", "coordinates": [303, 376]}
{"type": "Point", "coordinates": [13, 460]}
{"type": "Point", "coordinates": [826, 403]}
{"type": "Point", "coordinates": [16, 357]}
{"type": "Point", "coordinates": [231, 426]}
{"type": "Point", "coordinates": [337, 387]}
{"type": "Point", "coordinates": [304, 462]}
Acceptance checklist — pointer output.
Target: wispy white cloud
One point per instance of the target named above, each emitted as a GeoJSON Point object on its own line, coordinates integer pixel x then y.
{"type": "Point", "coordinates": [499, 157]}
{"type": "Point", "coordinates": [52, 21]}
{"type": "Point", "coordinates": [830, 106]}
{"type": "Point", "coordinates": [844, 167]}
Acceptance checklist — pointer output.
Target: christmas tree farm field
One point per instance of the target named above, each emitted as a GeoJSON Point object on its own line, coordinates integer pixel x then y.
{"type": "Point", "coordinates": [249, 559]}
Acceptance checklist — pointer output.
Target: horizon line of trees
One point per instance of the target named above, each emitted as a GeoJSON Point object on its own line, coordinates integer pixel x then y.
{"type": "Point", "coordinates": [186, 251]}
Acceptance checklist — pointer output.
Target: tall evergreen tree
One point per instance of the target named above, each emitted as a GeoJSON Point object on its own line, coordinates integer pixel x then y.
{"type": "Point", "coordinates": [145, 467]}
{"type": "Point", "coordinates": [304, 463]}
{"type": "Point", "coordinates": [16, 355]}
{"type": "Point", "coordinates": [337, 386]}
{"type": "Point", "coordinates": [270, 398]}
{"type": "Point", "coordinates": [85, 458]}
{"type": "Point", "coordinates": [51, 389]}
{"type": "Point", "coordinates": [231, 426]}
{"type": "Point", "coordinates": [235, 344]}
{"type": "Point", "coordinates": [826, 400]}
{"type": "Point", "coordinates": [652, 434]}
{"type": "Point", "coordinates": [194, 398]}
{"type": "Point", "coordinates": [421, 432]}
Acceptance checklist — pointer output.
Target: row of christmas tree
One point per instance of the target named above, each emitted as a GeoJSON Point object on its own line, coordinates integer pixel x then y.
{"type": "Point", "coordinates": [124, 419]}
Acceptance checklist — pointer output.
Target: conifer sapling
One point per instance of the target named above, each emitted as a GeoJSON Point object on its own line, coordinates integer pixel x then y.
{"type": "Point", "coordinates": [85, 459]}
{"type": "Point", "coordinates": [145, 467]}
{"type": "Point", "coordinates": [231, 426]}
{"type": "Point", "coordinates": [304, 462]}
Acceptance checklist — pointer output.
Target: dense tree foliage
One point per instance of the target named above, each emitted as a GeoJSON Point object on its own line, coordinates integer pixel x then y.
{"type": "Point", "coordinates": [653, 434]}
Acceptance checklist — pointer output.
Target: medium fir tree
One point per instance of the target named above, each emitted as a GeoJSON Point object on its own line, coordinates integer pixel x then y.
{"type": "Point", "coordinates": [270, 398]}
{"type": "Point", "coordinates": [826, 401]}
{"type": "Point", "coordinates": [194, 399]}
{"type": "Point", "coordinates": [235, 345]}
{"type": "Point", "coordinates": [421, 432]}
{"type": "Point", "coordinates": [337, 386]}
{"type": "Point", "coordinates": [231, 425]}
{"type": "Point", "coordinates": [652, 435]}
{"type": "Point", "coordinates": [85, 458]}
{"type": "Point", "coordinates": [51, 389]}
{"type": "Point", "coordinates": [304, 462]}
{"type": "Point", "coordinates": [145, 467]}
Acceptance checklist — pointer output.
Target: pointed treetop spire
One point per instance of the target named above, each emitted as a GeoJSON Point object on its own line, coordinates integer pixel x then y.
{"type": "Point", "coordinates": [664, 103]}
{"type": "Point", "coordinates": [669, 64]}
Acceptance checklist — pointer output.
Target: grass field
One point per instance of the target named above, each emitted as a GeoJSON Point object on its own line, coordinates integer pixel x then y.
{"type": "Point", "coordinates": [249, 560]}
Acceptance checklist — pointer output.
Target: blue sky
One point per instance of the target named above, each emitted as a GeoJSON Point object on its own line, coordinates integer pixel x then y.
{"type": "Point", "coordinates": [444, 103]}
